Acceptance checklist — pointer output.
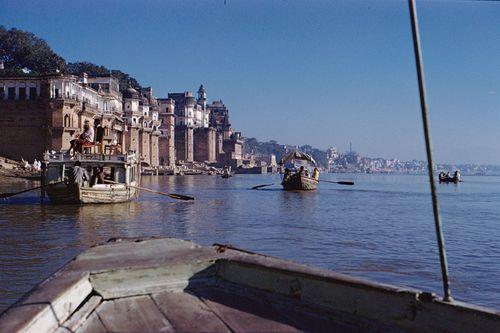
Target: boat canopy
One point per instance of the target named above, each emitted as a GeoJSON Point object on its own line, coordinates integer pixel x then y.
{"type": "Point", "coordinates": [297, 155]}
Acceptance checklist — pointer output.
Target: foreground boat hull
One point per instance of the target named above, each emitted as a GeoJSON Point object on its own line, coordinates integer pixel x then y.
{"type": "Point", "coordinates": [168, 285]}
{"type": "Point", "coordinates": [300, 183]}
{"type": "Point", "coordinates": [100, 194]}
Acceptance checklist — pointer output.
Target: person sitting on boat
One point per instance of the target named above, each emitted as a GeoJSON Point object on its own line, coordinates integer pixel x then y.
{"type": "Point", "coordinates": [79, 174]}
{"type": "Point", "coordinates": [97, 176]}
{"type": "Point", "coordinates": [456, 176]}
{"type": "Point", "coordinates": [301, 171]}
{"type": "Point", "coordinates": [306, 173]}
{"type": "Point", "coordinates": [86, 137]}
{"type": "Point", "coordinates": [316, 173]}
{"type": "Point", "coordinates": [287, 174]}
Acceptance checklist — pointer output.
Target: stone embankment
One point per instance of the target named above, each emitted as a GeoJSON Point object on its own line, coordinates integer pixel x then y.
{"type": "Point", "coordinates": [11, 169]}
{"type": "Point", "coordinates": [192, 168]}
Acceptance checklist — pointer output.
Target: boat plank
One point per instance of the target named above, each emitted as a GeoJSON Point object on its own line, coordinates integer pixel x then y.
{"type": "Point", "coordinates": [188, 313]}
{"type": "Point", "coordinates": [137, 254]}
{"type": "Point", "coordinates": [243, 314]}
{"type": "Point", "coordinates": [92, 325]}
{"type": "Point", "coordinates": [132, 282]}
{"type": "Point", "coordinates": [133, 314]}
{"type": "Point", "coordinates": [80, 316]}
{"type": "Point", "coordinates": [49, 305]}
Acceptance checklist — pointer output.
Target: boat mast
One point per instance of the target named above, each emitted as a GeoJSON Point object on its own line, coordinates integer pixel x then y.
{"type": "Point", "coordinates": [430, 164]}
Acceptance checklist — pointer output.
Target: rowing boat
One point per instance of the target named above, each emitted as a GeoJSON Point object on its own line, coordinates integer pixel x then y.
{"type": "Point", "coordinates": [121, 170]}
{"type": "Point", "coordinates": [171, 285]}
{"type": "Point", "coordinates": [299, 183]}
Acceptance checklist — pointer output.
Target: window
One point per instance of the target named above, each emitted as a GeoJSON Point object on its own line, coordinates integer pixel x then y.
{"type": "Point", "coordinates": [11, 93]}
{"type": "Point", "coordinates": [2, 92]}
{"type": "Point", "coordinates": [22, 93]}
{"type": "Point", "coordinates": [33, 94]}
{"type": "Point", "coordinates": [66, 121]}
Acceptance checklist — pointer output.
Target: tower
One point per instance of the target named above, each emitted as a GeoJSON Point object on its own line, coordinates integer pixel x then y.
{"type": "Point", "coordinates": [202, 97]}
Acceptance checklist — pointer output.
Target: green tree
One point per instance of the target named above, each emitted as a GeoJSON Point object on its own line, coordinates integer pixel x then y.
{"type": "Point", "coordinates": [78, 68]}
{"type": "Point", "coordinates": [20, 49]}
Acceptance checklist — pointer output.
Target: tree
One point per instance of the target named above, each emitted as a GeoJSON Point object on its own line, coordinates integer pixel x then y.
{"type": "Point", "coordinates": [20, 49]}
{"type": "Point", "coordinates": [78, 68]}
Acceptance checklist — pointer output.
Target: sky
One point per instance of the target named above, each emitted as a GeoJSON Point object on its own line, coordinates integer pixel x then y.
{"type": "Point", "coordinates": [323, 73]}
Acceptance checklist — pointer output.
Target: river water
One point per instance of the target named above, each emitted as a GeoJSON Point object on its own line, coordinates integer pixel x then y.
{"type": "Point", "coordinates": [382, 228]}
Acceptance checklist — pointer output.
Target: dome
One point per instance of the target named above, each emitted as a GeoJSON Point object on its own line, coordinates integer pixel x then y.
{"type": "Point", "coordinates": [154, 102]}
{"type": "Point", "coordinates": [131, 93]}
{"type": "Point", "coordinates": [144, 100]}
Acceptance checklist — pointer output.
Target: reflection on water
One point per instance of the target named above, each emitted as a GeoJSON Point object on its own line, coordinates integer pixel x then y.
{"type": "Point", "coordinates": [381, 228]}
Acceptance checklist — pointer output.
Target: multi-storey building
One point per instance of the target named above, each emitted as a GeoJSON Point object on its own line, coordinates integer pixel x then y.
{"type": "Point", "coordinates": [38, 113]}
{"type": "Point", "coordinates": [167, 131]}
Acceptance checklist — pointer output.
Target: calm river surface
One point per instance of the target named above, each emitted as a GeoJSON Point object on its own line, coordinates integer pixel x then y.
{"type": "Point", "coordinates": [382, 228]}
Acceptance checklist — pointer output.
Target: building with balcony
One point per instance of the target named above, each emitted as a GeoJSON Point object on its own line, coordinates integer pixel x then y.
{"type": "Point", "coordinates": [44, 112]}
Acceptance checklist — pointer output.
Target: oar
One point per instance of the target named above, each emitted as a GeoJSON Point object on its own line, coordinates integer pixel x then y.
{"type": "Point", "coordinates": [260, 186]}
{"type": "Point", "coordinates": [8, 195]}
{"type": "Point", "coordinates": [171, 195]}
{"type": "Point", "coordinates": [339, 182]}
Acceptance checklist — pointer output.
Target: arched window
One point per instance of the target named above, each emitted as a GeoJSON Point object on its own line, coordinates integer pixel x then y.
{"type": "Point", "coordinates": [66, 121]}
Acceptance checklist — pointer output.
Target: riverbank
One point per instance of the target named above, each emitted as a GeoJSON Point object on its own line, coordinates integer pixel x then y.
{"type": "Point", "coordinates": [12, 171]}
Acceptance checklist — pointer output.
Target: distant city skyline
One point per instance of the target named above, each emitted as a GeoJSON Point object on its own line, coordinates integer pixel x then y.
{"type": "Point", "coordinates": [321, 73]}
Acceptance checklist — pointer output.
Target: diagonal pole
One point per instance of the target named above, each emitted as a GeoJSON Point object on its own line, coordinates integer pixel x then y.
{"type": "Point", "coordinates": [430, 164]}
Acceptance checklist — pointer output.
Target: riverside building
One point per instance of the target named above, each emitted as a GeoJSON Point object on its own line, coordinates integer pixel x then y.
{"type": "Point", "coordinates": [202, 131]}
{"type": "Point", "coordinates": [44, 112]}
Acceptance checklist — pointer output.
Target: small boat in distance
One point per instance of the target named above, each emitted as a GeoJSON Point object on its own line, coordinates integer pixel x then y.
{"type": "Point", "coordinates": [226, 172]}
{"type": "Point", "coordinates": [111, 178]}
{"type": "Point", "coordinates": [446, 178]}
{"type": "Point", "coordinates": [302, 179]}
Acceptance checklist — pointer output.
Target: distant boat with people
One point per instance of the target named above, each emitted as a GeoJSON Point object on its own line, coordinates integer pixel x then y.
{"type": "Point", "coordinates": [303, 179]}
{"type": "Point", "coordinates": [90, 178]}
{"type": "Point", "coordinates": [446, 178]}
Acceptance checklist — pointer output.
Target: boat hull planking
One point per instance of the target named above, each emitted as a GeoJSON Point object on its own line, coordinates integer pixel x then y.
{"type": "Point", "coordinates": [74, 194]}
{"type": "Point", "coordinates": [300, 183]}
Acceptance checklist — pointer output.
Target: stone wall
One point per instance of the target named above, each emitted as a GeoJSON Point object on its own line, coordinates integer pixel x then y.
{"type": "Point", "coordinates": [144, 136]}
{"type": "Point", "coordinates": [132, 140]}
{"type": "Point", "coordinates": [29, 128]}
{"type": "Point", "coordinates": [155, 160]}
{"type": "Point", "coordinates": [184, 144]}
{"type": "Point", "coordinates": [205, 145]}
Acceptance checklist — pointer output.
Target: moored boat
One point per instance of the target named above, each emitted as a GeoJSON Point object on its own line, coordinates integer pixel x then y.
{"type": "Point", "coordinates": [119, 178]}
{"type": "Point", "coordinates": [171, 285]}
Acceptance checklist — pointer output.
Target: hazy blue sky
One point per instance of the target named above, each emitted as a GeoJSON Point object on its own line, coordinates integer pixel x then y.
{"type": "Point", "coordinates": [302, 72]}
